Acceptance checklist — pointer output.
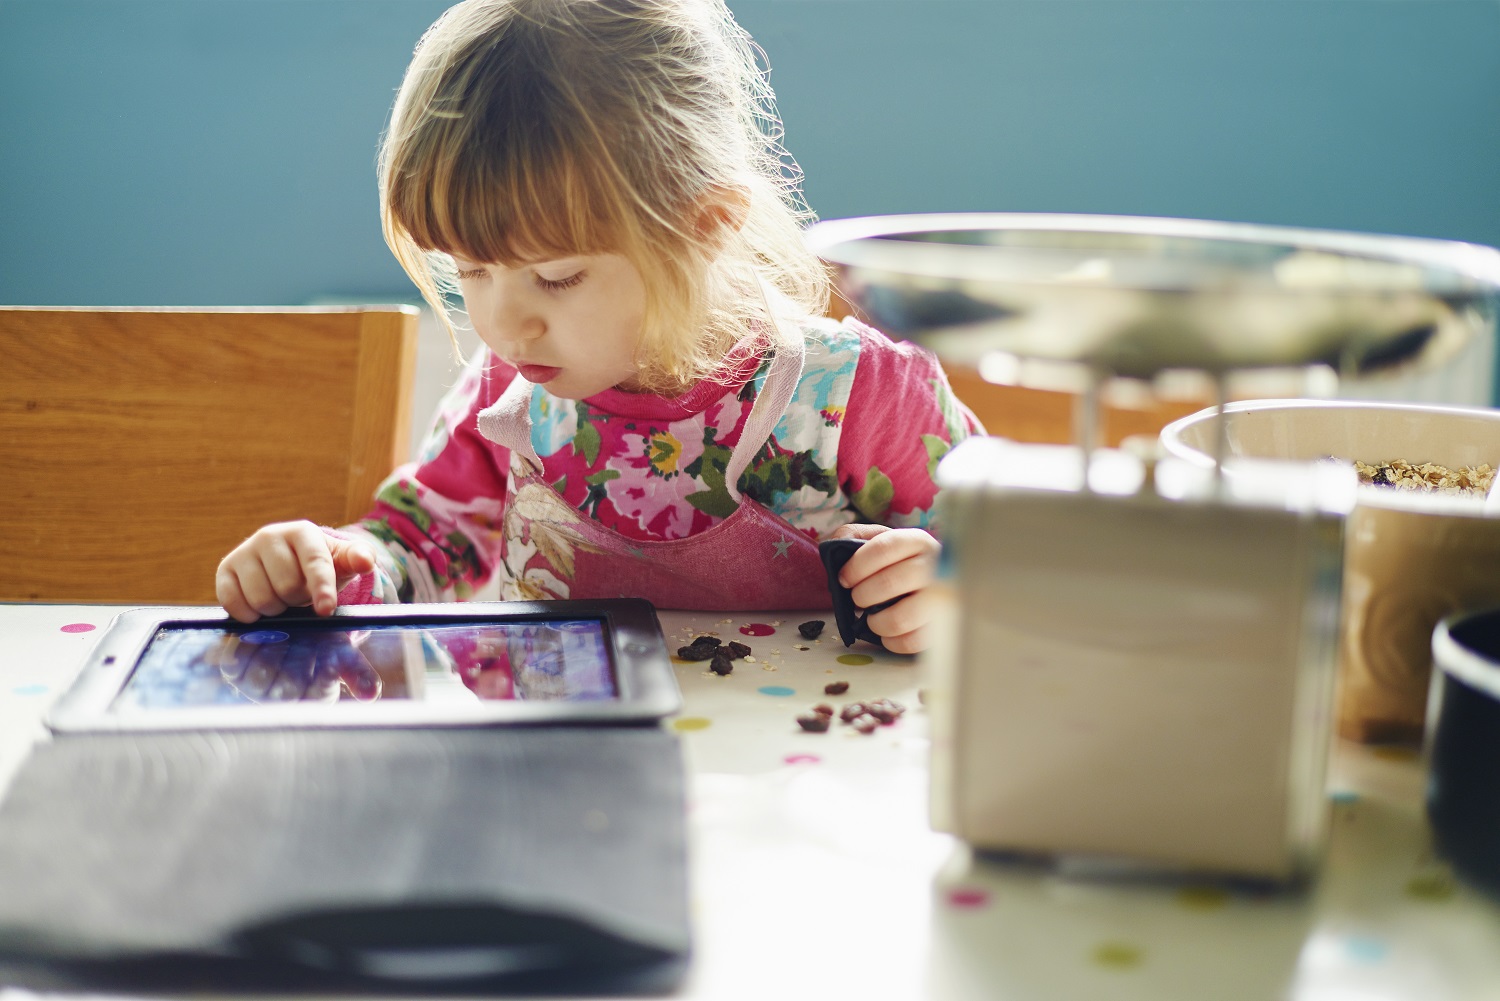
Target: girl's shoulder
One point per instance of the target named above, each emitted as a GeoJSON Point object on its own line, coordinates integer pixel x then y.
{"type": "Point", "coordinates": [854, 344]}
{"type": "Point", "coordinates": [853, 334]}
{"type": "Point", "coordinates": [838, 335]}
{"type": "Point", "coordinates": [832, 342]}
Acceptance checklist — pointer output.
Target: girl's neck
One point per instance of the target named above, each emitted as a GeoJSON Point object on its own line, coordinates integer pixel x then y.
{"type": "Point", "coordinates": [728, 354]}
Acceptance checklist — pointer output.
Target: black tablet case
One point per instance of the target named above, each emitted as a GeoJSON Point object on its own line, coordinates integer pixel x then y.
{"type": "Point", "coordinates": [491, 860]}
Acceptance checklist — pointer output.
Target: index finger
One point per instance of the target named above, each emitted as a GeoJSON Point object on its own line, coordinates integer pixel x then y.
{"type": "Point", "coordinates": [316, 559]}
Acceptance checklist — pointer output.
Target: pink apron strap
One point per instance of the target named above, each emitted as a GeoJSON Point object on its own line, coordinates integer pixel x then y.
{"type": "Point", "coordinates": [770, 404]}
{"type": "Point", "coordinates": [507, 421]}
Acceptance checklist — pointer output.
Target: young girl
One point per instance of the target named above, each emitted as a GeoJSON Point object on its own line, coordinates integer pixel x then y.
{"type": "Point", "coordinates": [661, 410]}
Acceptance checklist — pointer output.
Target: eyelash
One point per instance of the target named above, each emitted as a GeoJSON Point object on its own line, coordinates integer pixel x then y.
{"type": "Point", "coordinates": [561, 283]}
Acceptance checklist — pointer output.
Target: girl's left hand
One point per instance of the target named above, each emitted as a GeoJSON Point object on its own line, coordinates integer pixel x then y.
{"type": "Point", "coordinates": [893, 562]}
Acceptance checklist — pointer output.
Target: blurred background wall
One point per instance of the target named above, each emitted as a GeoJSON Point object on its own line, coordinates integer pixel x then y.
{"type": "Point", "coordinates": [221, 152]}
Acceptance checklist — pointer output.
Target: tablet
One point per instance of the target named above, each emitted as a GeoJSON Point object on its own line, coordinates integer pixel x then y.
{"type": "Point", "coordinates": [465, 664]}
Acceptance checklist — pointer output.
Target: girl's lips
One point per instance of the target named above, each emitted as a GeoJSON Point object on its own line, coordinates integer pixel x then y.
{"type": "Point", "coordinates": [538, 374]}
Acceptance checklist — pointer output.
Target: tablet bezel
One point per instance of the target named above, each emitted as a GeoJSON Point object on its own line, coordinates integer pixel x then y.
{"type": "Point", "coordinates": [647, 687]}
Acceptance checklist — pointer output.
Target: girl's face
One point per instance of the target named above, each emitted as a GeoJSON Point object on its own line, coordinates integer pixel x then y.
{"type": "Point", "coordinates": [572, 324]}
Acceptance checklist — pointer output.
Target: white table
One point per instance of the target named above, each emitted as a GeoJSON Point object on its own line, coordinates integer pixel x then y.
{"type": "Point", "coordinates": [815, 873]}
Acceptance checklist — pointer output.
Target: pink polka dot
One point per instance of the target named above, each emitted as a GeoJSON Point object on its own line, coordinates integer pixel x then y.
{"type": "Point", "coordinates": [802, 759]}
{"type": "Point", "coordinates": [757, 629]}
{"type": "Point", "coordinates": [78, 627]}
{"type": "Point", "coordinates": [968, 897]}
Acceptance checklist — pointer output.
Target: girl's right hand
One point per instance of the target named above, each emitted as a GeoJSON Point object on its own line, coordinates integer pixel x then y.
{"type": "Point", "coordinates": [288, 564]}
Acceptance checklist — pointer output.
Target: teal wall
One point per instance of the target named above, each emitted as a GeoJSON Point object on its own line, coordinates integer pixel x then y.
{"type": "Point", "coordinates": [193, 152]}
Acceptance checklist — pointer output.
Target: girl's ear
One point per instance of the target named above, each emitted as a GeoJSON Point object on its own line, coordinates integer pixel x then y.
{"type": "Point", "coordinates": [719, 212]}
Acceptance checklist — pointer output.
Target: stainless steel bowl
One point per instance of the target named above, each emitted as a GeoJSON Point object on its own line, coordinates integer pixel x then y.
{"type": "Point", "coordinates": [1135, 296]}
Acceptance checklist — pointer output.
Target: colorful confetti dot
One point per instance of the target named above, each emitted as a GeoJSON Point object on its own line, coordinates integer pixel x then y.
{"type": "Point", "coordinates": [1343, 797]}
{"type": "Point", "coordinates": [968, 897]}
{"type": "Point", "coordinates": [1117, 955]}
{"type": "Point", "coordinates": [265, 636]}
{"type": "Point", "coordinates": [855, 659]}
{"type": "Point", "coordinates": [30, 690]}
{"type": "Point", "coordinates": [1202, 898]}
{"type": "Point", "coordinates": [802, 759]}
{"type": "Point", "coordinates": [79, 627]}
{"type": "Point", "coordinates": [777, 690]}
{"type": "Point", "coordinates": [757, 629]}
{"type": "Point", "coordinates": [688, 723]}
{"type": "Point", "coordinates": [1431, 886]}
{"type": "Point", "coordinates": [1365, 949]}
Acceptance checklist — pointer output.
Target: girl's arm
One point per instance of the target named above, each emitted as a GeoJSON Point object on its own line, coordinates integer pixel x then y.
{"type": "Point", "coordinates": [901, 419]}
{"type": "Point", "coordinates": [435, 527]}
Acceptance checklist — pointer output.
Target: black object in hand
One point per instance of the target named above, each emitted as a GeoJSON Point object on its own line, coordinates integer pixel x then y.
{"type": "Point", "coordinates": [849, 616]}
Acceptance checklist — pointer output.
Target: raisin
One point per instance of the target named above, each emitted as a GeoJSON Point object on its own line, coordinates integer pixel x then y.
{"type": "Point", "coordinates": [823, 709]}
{"type": "Point", "coordinates": [836, 688]}
{"type": "Point", "coordinates": [867, 724]}
{"type": "Point", "coordinates": [721, 664]}
{"type": "Point", "coordinates": [813, 722]}
{"type": "Point", "coordinates": [811, 630]}
{"type": "Point", "coordinates": [851, 711]}
{"type": "Point", "coordinates": [701, 648]}
{"type": "Point", "coordinates": [885, 710]}
{"type": "Point", "coordinates": [738, 650]}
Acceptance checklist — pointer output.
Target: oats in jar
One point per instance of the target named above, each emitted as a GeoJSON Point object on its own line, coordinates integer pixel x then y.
{"type": "Point", "coordinates": [1426, 476]}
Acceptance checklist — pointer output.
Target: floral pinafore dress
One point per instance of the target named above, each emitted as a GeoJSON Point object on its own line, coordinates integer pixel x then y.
{"type": "Point", "coordinates": [753, 560]}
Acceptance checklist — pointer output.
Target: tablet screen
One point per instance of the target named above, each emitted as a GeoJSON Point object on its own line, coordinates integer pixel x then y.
{"type": "Point", "coordinates": [564, 660]}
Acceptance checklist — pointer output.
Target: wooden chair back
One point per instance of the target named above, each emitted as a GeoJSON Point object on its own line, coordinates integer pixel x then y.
{"type": "Point", "coordinates": [141, 445]}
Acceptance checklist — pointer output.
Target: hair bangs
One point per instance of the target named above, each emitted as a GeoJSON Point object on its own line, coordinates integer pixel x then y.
{"type": "Point", "coordinates": [503, 203]}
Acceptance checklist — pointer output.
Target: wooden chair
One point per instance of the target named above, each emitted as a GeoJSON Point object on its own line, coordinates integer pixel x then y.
{"type": "Point", "coordinates": [141, 445]}
{"type": "Point", "coordinates": [1046, 416]}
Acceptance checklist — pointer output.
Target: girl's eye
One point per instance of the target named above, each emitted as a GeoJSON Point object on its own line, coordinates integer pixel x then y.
{"type": "Point", "coordinates": [468, 276]}
{"type": "Point", "coordinates": [560, 283]}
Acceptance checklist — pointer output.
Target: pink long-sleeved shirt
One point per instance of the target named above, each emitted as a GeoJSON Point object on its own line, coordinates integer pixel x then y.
{"type": "Point", "coordinates": [859, 442]}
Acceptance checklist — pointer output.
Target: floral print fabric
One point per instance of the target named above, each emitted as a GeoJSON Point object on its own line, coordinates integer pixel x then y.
{"type": "Point", "coordinates": [859, 441]}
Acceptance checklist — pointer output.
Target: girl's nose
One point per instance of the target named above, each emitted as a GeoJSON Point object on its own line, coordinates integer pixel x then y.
{"type": "Point", "coordinates": [515, 324]}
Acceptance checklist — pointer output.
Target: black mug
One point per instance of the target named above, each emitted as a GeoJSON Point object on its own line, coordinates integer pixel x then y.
{"type": "Point", "coordinates": [1463, 746]}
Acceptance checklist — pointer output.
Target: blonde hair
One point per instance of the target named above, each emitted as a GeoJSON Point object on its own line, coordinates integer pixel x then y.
{"type": "Point", "coordinates": [550, 128]}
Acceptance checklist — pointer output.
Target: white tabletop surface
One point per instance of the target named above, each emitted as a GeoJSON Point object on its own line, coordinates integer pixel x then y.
{"type": "Point", "coordinates": [815, 873]}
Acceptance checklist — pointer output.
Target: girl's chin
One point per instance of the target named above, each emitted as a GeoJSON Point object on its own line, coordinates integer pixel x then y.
{"type": "Point", "coordinates": [565, 388]}
{"type": "Point", "coordinates": [569, 385]}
